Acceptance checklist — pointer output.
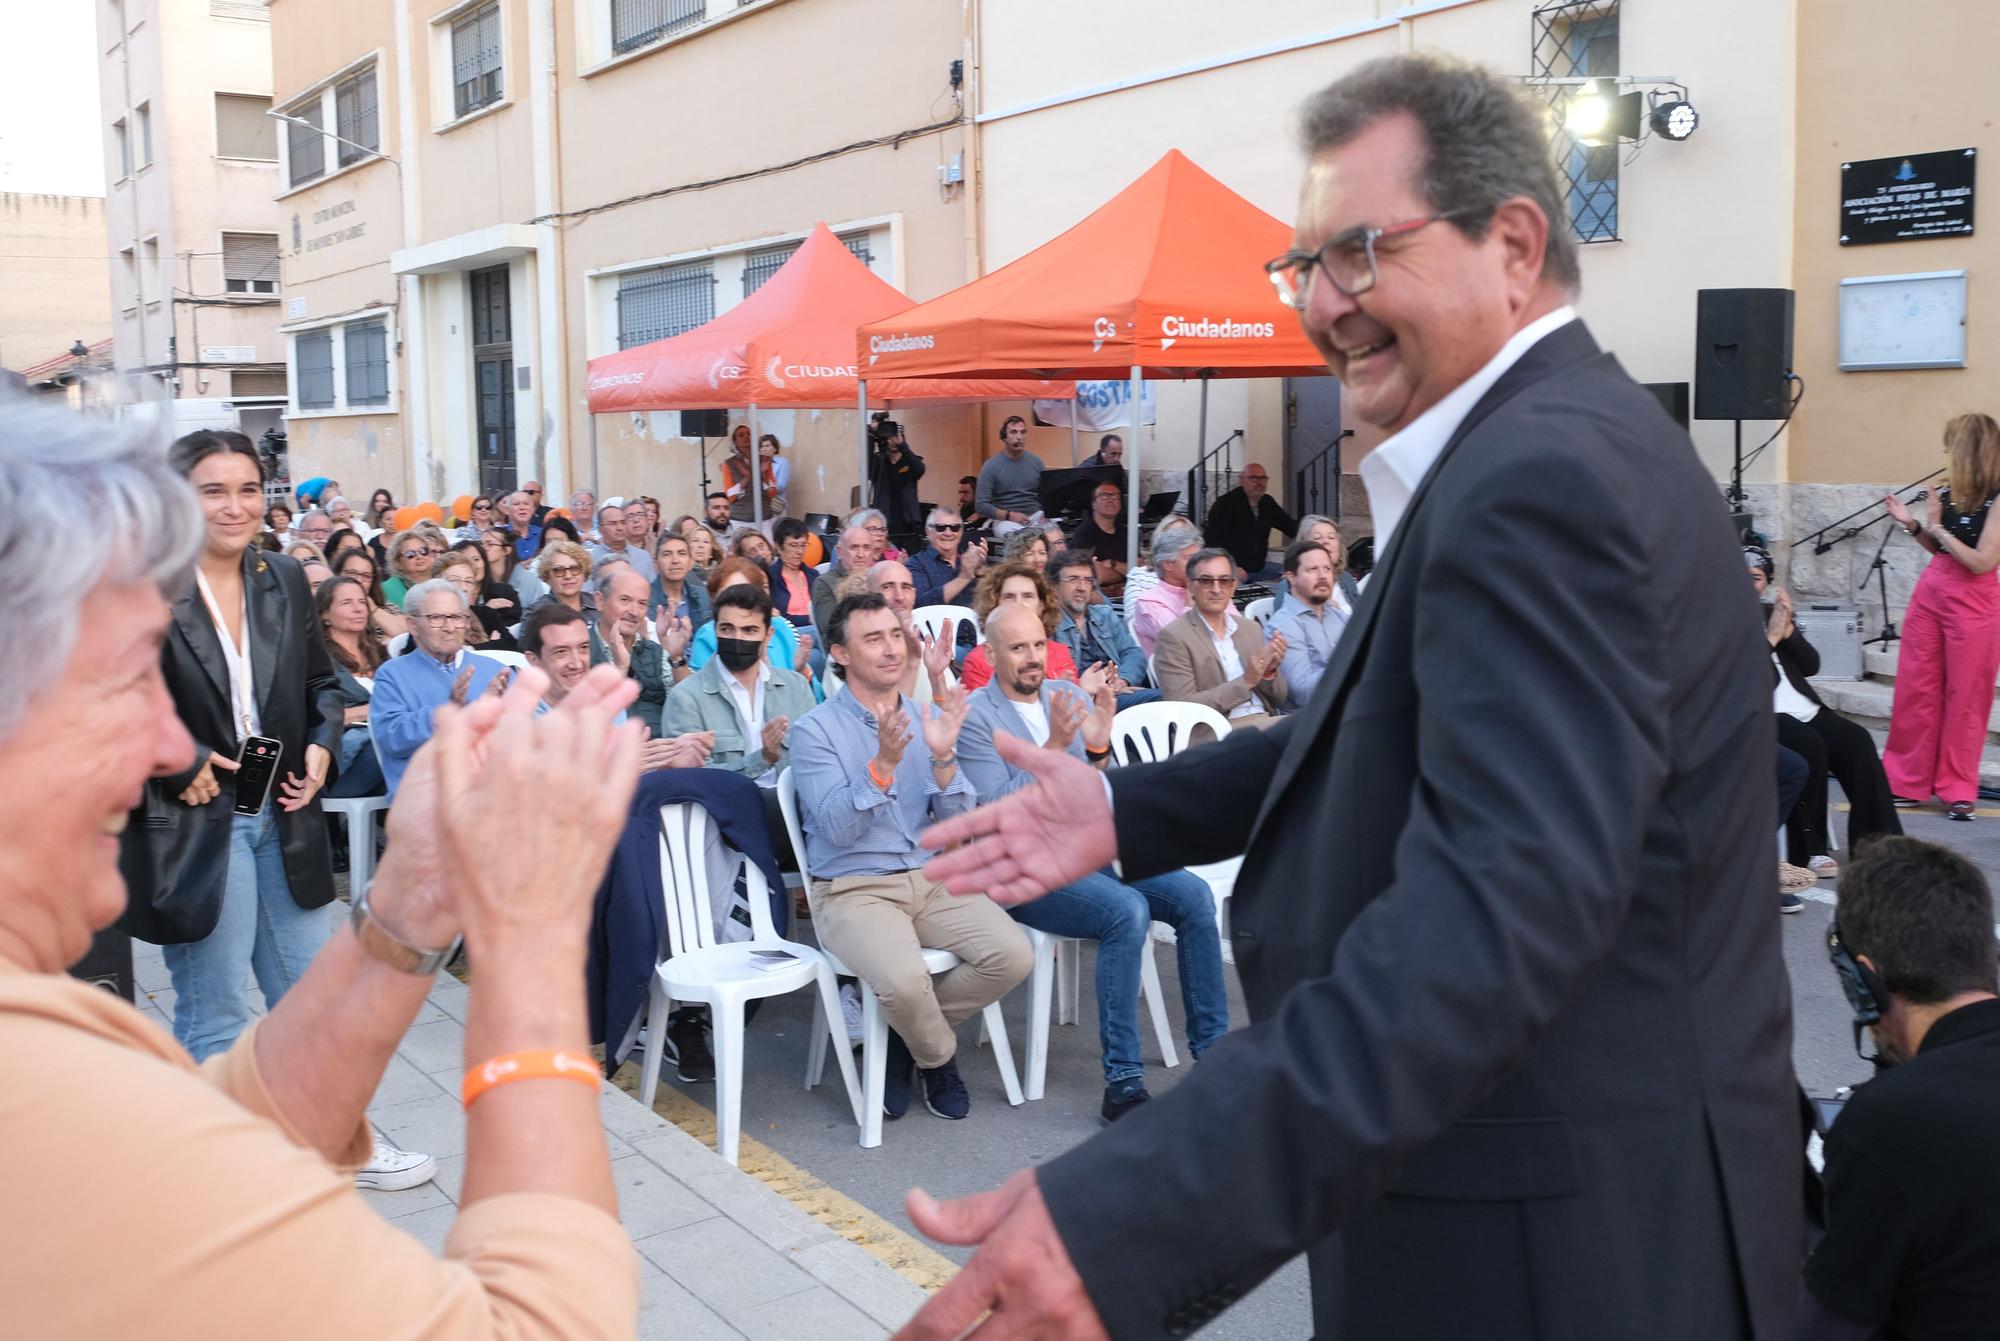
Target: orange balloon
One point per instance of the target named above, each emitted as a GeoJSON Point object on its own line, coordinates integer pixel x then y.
{"type": "Point", "coordinates": [403, 519]}
{"type": "Point", "coordinates": [431, 513]}
{"type": "Point", "coordinates": [461, 507]}
{"type": "Point", "coordinates": [561, 512]}
{"type": "Point", "coordinates": [815, 550]}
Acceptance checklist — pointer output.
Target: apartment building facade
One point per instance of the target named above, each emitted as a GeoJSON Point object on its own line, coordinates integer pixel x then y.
{"type": "Point", "coordinates": [528, 184]}
{"type": "Point", "coordinates": [191, 157]}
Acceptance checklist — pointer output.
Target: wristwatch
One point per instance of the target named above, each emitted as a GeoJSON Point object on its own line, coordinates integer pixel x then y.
{"type": "Point", "coordinates": [386, 946]}
{"type": "Point", "coordinates": [945, 762]}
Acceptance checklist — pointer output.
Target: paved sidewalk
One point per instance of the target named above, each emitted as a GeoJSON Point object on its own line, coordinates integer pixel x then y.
{"type": "Point", "coordinates": [722, 1256]}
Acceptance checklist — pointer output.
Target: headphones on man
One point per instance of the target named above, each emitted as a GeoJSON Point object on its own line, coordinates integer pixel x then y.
{"type": "Point", "coordinates": [1865, 991]}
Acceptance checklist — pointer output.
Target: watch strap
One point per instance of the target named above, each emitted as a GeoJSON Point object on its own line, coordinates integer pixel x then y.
{"type": "Point", "coordinates": [386, 947]}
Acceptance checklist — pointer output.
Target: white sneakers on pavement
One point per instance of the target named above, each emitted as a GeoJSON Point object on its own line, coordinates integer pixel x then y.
{"type": "Point", "coordinates": [392, 1169]}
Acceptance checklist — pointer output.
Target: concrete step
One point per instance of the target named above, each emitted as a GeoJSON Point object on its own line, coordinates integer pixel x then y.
{"type": "Point", "coordinates": [1868, 702]}
{"type": "Point", "coordinates": [1879, 663]}
{"type": "Point", "coordinates": [1989, 758]}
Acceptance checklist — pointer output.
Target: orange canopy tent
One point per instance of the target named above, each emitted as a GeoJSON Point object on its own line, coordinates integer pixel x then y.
{"type": "Point", "coordinates": [1166, 277]}
{"type": "Point", "coordinates": [789, 345]}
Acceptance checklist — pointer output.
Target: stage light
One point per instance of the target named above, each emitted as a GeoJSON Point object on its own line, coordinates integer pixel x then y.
{"type": "Point", "coordinates": [1676, 120]}
{"type": "Point", "coordinates": [1587, 112]}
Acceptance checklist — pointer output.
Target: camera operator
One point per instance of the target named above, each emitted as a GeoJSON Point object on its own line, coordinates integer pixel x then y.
{"type": "Point", "coordinates": [1912, 1246]}
{"type": "Point", "coordinates": [895, 470]}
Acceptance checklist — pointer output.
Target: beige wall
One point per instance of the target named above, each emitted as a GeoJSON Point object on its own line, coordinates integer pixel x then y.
{"type": "Point", "coordinates": [58, 289]}
{"type": "Point", "coordinates": [176, 57]}
{"type": "Point", "coordinates": [1235, 121]}
{"type": "Point", "coordinates": [1884, 427]}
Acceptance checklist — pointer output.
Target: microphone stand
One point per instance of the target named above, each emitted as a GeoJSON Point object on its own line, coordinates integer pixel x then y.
{"type": "Point", "coordinates": [1879, 567]}
{"type": "Point", "coordinates": [1821, 546]}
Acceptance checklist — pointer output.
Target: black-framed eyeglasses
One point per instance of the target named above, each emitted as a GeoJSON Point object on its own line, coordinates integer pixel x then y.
{"type": "Point", "coordinates": [1212, 581]}
{"type": "Point", "coordinates": [443, 621]}
{"type": "Point", "coordinates": [482, 507]}
{"type": "Point", "coordinates": [407, 554]}
{"type": "Point", "coordinates": [948, 526]}
{"type": "Point", "coordinates": [1347, 258]}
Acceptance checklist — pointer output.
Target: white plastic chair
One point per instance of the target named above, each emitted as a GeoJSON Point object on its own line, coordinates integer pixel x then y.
{"type": "Point", "coordinates": [722, 975]}
{"type": "Point", "coordinates": [1261, 610]}
{"type": "Point", "coordinates": [934, 621]}
{"type": "Point", "coordinates": [1150, 732]}
{"type": "Point", "coordinates": [515, 660]}
{"type": "Point", "coordinates": [360, 813]}
{"type": "Point", "coordinates": [827, 1020]}
{"type": "Point", "coordinates": [1058, 972]}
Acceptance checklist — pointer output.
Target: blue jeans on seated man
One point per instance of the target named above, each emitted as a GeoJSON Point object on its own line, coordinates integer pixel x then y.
{"type": "Point", "coordinates": [1120, 917]}
{"type": "Point", "coordinates": [1132, 698]}
{"type": "Point", "coordinates": [360, 771]}
{"type": "Point", "coordinates": [261, 929]}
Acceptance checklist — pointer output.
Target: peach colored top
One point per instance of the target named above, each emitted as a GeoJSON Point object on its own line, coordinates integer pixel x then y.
{"type": "Point", "coordinates": [143, 1196]}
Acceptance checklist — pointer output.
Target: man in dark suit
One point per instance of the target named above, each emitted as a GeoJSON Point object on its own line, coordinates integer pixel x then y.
{"type": "Point", "coordinates": [1520, 1065]}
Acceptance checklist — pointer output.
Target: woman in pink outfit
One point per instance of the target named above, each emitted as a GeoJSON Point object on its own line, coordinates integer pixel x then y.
{"type": "Point", "coordinates": [1951, 632]}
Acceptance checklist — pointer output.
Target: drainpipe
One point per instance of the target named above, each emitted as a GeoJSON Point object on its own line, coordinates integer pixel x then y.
{"type": "Point", "coordinates": [412, 333]}
{"type": "Point", "coordinates": [550, 437]}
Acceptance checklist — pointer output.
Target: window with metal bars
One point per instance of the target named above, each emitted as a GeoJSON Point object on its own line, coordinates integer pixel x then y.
{"type": "Point", "coordinates": [312, 357]}
{"type": "Point", "coordinates": [250, 262]}
{"type": "Point", "coordinates": [357, 117]}
{"type": "Point", "coordinates": [305, 146]}
{"type": "Point", "coordinates": [761, 265]}
{"type": "Point", "coordinates": [1578, 39]}
{"type": "Point", "coordinates": [366, 352]}
{"type": "Point", "coordinates": [475, 59]}
{"type": "Point", "coordinates": [654, 304]}
{"type": "Point", "coordinates": [634, 23]}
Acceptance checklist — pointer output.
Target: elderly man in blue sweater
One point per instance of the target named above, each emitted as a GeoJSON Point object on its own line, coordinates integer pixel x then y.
{"type": "Point", "coordinates": [438, 670]}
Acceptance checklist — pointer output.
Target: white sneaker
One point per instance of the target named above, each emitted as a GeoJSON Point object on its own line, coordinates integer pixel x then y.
{"type": "Point", "coordinates": [850, 1010]}
{"type": "Point", "coordinates": [395, 1170]}
{"type": "Point", "coordinates": [1825, 867]}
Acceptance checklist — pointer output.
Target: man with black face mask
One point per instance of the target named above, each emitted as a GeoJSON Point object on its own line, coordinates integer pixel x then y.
{"type": "Point", "coordinates": [747, 702]}
{"type": "Point", "coordinates": [1912, 1246]}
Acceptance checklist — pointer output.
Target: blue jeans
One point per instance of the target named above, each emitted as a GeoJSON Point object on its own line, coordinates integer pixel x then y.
{"type": "Point", "coordinates": [261, 929]}
{"type": "Point", "coordinates": [1120, 917]}
{"type": "Point", "coordinates": [360, 770]}
{"type": "Point", "coordinates": [1132, 698]}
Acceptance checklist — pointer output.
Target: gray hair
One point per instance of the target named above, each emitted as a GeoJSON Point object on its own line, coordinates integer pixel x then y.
{"type": "Point", "coordinates": [1168, 547]}
{"type": "Point", "coordinates": [414, 598]}
{"type": "Point", "coordinates": [936, 513]}
{"type": "Point", "coordinates": [1312, 519]}
{"type": "Point", "coordinates": [1486, 141]}
{"type": "Point", "coordinates": [330, 504]}
{"type": "Point", "coordinates": [145, 527]}
{"type": "Point", "coordinates": [862, 516]}
{"type": "Point", "coordinates": [321, 513]}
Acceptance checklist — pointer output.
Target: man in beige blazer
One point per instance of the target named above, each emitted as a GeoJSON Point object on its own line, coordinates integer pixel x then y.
{"type": "Point", "coordinates": [1213, 656]}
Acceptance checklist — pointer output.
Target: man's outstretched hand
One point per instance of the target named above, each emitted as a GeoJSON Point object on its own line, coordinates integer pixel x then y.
{"type": "Point", "coordinates": [1021, 1275]}
{"type": "Point", "coordinates": [1055, 830]}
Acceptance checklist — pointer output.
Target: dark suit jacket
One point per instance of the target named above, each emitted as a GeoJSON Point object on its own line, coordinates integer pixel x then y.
{"type": "Point", "coordinates": [1521, 1064]}
{"type": "Point", "coordinates": [175, 857]}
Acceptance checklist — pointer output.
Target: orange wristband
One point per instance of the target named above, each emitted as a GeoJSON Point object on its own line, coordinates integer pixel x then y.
{"type": "Point", "coordinates": [877, 778]}
{"type": "Point", "coordinates": [544, 1064]}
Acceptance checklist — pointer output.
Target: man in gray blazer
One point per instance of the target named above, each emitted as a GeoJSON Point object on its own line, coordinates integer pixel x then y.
{"type": "Point", "coordinates": [1022, 703]}
{"type": "Point", "coordinates": [1214, 656]}
{"type": "Point", "coordinates": [747, 702]}
{"type": "Point", "coordinates": [1520, 1061]}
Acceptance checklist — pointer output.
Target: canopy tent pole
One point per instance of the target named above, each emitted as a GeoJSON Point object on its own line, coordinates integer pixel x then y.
{"type": "Point", "coordinates": [1201, 452]}
{"type": "Point", "coordinates": [861, 431]}
{"type": "Point", "coordinates": [1073, 457]}
{"type": "Point", "coordinates": [756, 484]}
{"type": "Point", "coordinates": [1131, 476]}
{"type": "Point", "coordinates": [593, 459]}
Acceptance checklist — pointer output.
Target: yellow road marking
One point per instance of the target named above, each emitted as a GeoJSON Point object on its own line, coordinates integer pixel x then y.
{"type": "Point", "coordinates": [908, 1256]}
{"type": "Point", "coordinates": [1925, 809]}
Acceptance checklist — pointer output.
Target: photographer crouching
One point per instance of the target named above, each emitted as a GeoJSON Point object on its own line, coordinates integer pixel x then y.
{"type": "Point", "coordinates": [1912, 1246]}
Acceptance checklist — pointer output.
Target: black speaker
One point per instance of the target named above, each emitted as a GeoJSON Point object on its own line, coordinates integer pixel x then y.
{"type": "Point", "coordinates": [1673, 398]}
{"type": "Point", "coordinates": [715, 423]}
{"type": "Point", "coordinates": [109, 963]}
{"type": "Point", "coordinates": [1742, 353]}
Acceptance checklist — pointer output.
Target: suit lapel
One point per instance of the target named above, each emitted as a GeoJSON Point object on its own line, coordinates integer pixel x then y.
{"type": "Point", "coordinates": [191, 618]}
{"type": "Point", "coordinates": [1201, 647]}
{"type": "Point", "coordinates": [1561, 348]}
{"type": "Point", "coordinates": [267, 621]}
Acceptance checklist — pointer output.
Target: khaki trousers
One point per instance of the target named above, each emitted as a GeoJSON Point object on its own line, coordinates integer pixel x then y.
{"type": "Point", "coordinates": [880, 925]}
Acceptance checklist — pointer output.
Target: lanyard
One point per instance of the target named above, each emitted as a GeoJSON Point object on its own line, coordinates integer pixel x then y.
{"type": "Point", "coordinates": [242, 684]}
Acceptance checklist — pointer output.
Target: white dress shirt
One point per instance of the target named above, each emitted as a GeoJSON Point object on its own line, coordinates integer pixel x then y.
{"type": "Point", "coordinates": [1392, 472]}
{"type": "Point", "coordinates": [1232, 664]}
{"type": "Point", "coordinates": [749, 705]}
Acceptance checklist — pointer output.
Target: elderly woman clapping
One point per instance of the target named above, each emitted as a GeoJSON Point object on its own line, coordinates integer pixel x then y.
{"type": "Point", "coordinates": [216, 1190]}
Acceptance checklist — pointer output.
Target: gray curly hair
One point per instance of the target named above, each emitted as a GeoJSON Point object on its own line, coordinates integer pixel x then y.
{"type": "Point", "coordinates": [145, 527]}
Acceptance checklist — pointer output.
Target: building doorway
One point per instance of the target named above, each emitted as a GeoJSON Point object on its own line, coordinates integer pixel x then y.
{"type": "Point", "coordinates": [1312, 446]}
{"type": "Point", "coordinates": [493, 371]}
